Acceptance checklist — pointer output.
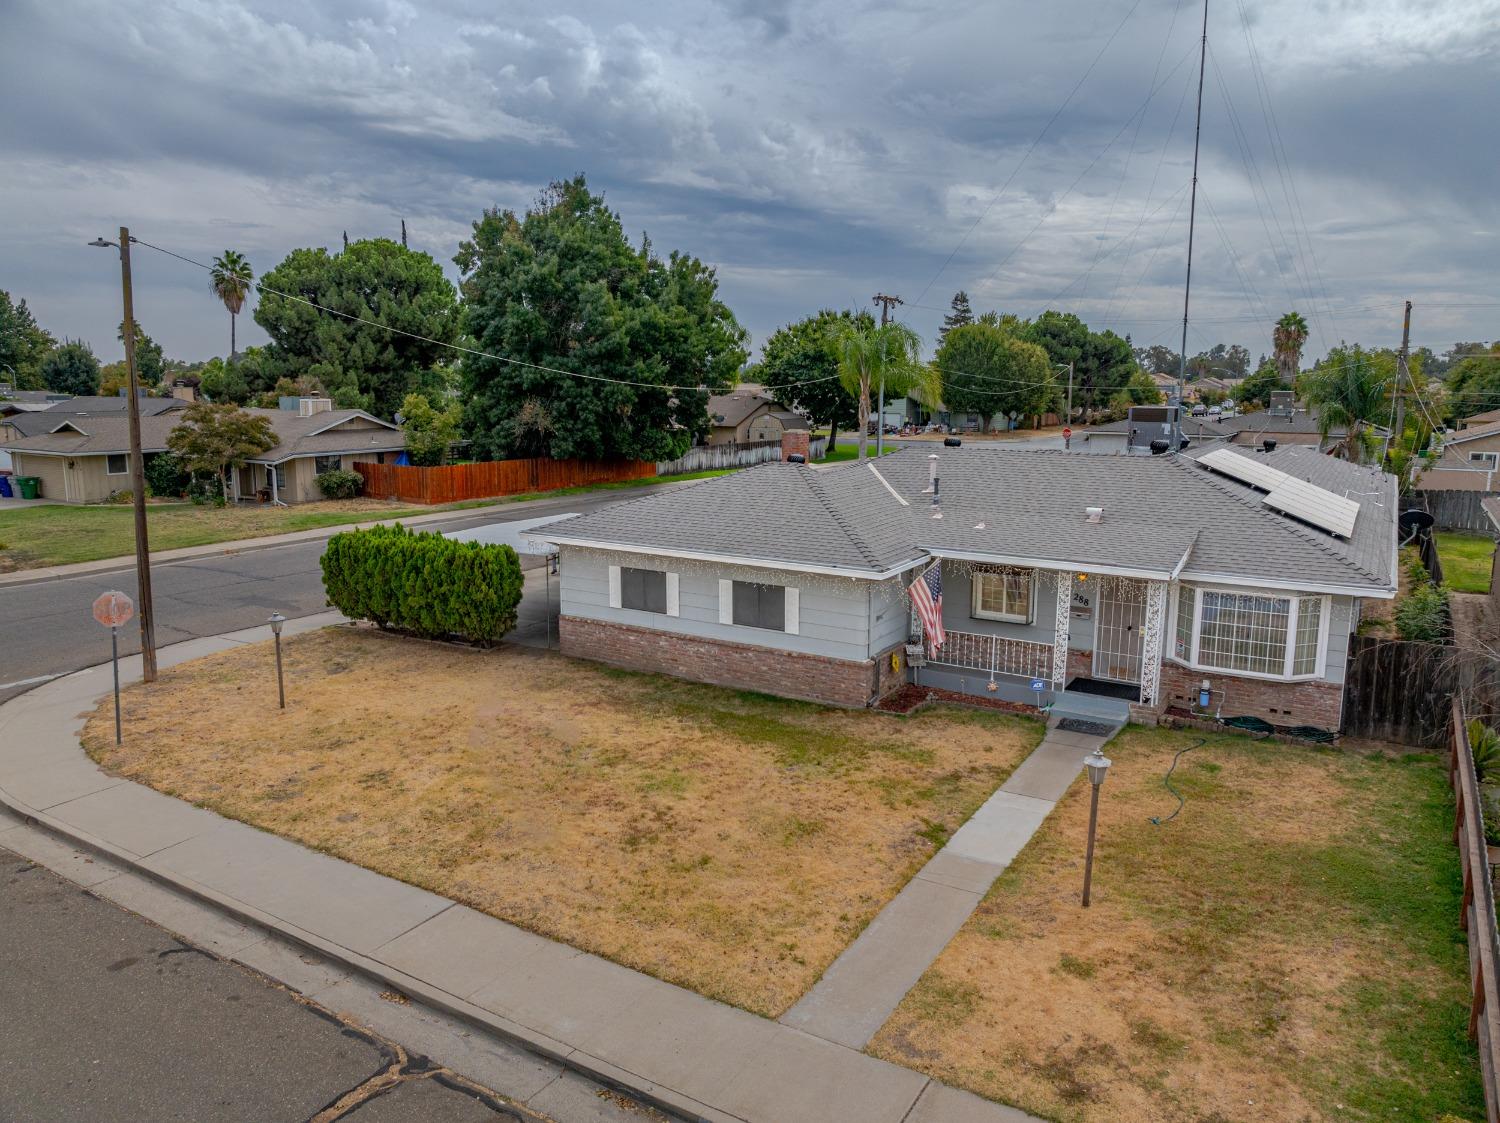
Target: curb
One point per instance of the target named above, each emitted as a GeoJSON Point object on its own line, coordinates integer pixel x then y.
{"type": "Point", "coordinates": [574, 1060]}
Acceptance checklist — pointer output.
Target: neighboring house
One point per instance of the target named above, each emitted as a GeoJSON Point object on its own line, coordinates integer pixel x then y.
{"type": "Point", "coordinates": [1295, 426]}
{"type": "Point", "coordinates": [1115, 437]}
{"type": "Point", "coordinates": [1468, 461]}
{"type": "Point", "coordinates": [1136, 578]}
{"type": "Point", "coordinates": [748, 416]}
{"type": "Point", "coordinates": [1489, 417]}
{"type": "Point", "coordinates": [84, 458]}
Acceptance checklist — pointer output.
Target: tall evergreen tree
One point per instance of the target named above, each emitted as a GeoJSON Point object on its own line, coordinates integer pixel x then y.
{"type": "Point", "coordinates": [560, 292]}
{"type": "Point", "coordinates": [960, 314]}
{"type": "Point", "coordinates": [23, 345]}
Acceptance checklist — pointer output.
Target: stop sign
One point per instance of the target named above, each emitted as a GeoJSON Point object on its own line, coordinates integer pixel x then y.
{"type": "Point", "coordinates": [1067, 431]}
{"type": "Point", "coordinates": [113, 609]}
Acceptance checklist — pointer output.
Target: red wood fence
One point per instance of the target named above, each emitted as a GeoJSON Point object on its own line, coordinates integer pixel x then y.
{"type": "Point", "coordinates": [455, 482]}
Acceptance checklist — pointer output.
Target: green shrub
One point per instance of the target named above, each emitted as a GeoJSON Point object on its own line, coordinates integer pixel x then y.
{"type": "Point", "coordinates": [339, 484]}
{"type": "Point", "coordinates": [1422, 614]}
{"type": "Point", "coordinates": [1484, 744]}
{"type": "Point", "coordinates": [423, 583]}
{"type": "Point", "coordinates": [166, 478]}
{"type": "Point", "coordinates": [205, 488]}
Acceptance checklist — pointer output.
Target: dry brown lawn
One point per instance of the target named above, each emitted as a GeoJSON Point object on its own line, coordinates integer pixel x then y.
{"type": "Point", "coordinates": [729, 842]}
{"type": "Point", "coordinates": [1286, 949]}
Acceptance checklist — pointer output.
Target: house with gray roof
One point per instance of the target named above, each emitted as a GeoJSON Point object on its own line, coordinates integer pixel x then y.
{"type": "Point", "coordinates": [1130, 582]}
{"type": "Point", "coordinates": [749, 415]}
{"type": "Point", "coordinates": [83, 457]}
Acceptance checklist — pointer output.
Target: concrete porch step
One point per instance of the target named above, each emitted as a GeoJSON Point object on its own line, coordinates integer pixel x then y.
{"type": "Point", "coordinates": [1090, 707]}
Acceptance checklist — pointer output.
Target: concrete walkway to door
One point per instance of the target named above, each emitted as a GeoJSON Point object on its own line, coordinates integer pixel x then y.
{"type": "Point", "coordinates": [862, 987]}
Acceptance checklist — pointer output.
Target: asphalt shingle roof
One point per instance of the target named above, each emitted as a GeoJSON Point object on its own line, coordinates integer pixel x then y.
{"type": "Point", "coordinates": [1160, 512]}
{"type": "Point", "coordinates": [110, 432]}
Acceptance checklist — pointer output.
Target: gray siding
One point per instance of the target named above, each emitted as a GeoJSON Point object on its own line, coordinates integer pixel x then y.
{"type": "Point", "coordinates": [834, 613]}
{"type": "Point", "coordinates": [890, 613]}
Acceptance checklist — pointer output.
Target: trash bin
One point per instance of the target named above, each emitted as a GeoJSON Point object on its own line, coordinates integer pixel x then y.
{"type": "Point", "coordinates": [5, 491]}
{"type": "Point", "coordinates": [30, 487]}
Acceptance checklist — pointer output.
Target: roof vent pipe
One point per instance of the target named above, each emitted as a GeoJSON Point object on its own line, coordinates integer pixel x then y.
{"type": "Point", "coordinates": [932, 468]}
{"type": "Point", "coordinates": [1095, 514]}
{"type": "Point", "coordinates": [932, 463]}
{"type": "Point", "coordinates": [1268, 445]}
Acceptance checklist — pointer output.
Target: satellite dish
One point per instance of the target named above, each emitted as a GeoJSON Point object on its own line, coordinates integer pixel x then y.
{"type": "Point", "coordinates": [1415, 520]}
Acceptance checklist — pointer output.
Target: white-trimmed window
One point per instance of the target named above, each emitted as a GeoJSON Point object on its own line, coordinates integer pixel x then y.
{"type": "Point", "coordinates": [1003, 594]}
{"type": "Point", "coordinates": [117, 464]}
{"type": "Point", "coordinates": [644, 590]}
{"type": "Point", "coordinates": [1482, 459]}
{"type": "Point", "coordinates": [1251, 633]}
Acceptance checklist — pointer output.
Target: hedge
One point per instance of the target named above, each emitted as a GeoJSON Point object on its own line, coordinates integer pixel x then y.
{"type": "Point", "coordinates": [423, 583]}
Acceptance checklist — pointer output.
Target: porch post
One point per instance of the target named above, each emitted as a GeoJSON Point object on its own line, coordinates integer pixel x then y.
{"type": "Point", "coordinates": [1155, 628]}
{"type": "Point", "coordinates": [1060, 629]}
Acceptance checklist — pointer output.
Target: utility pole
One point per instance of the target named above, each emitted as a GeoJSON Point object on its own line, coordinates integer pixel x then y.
{"type": "Point", "coordinates": [1403, 375]}
{"type": "Point", "coordinates": [885, 303]}
{"type": "Point", "coordinates": [1192, 214]}
{"type": "Point", "coordinates": [1069, 419]}
{"type": "Point", "coordinates": [137, 468]}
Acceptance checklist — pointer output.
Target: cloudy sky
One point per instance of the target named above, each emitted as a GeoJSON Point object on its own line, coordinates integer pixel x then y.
{"type": "Point", "coordinates": [1037, 155]}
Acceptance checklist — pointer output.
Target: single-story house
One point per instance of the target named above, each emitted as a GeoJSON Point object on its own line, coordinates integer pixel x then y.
{"type": "Point", "coordinates": [84, 458]}
{"type": "Point", "coordinates": [1295, 426]}
{"type": "Point", "coordinates": [1139, 579]}
{"type": "Point", "coordinates": [1468, 461]}
{"type": "Point", "coordinates": [749, 416]}
{"type": "Point", "coordinates": [1114, 437]}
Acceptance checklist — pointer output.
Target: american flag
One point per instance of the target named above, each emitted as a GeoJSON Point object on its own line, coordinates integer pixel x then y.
{"type": "Point", "coordinates": [926, 594]}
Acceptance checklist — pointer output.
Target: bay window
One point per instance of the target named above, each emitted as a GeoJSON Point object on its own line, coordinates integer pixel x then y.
{"type": "Point", "coordinates": [1275, 636]}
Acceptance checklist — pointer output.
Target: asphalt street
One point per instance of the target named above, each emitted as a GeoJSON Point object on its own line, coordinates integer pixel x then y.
{"type": "Point", "coordinates": [46, 628]}
{"type": "Point", "coordinates": [108, 1017]}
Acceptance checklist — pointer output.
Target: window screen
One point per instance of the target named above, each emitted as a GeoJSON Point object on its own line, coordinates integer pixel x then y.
{"type": "Point", "coordinates": [117, 464]}
{"type": "Point", "coordinates": [760, 606]}
{"type": "Point", "coordinates": [1003, 596]}
{"type": "Point", "coordinates": [643, 589]}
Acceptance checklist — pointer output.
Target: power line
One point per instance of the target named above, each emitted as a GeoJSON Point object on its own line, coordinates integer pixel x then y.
{"type": "Point", "coordinates": [1027, 155]}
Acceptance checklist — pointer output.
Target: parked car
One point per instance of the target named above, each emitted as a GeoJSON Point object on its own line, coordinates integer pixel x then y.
{"type": "Point", "coordinates": [1215, 411]}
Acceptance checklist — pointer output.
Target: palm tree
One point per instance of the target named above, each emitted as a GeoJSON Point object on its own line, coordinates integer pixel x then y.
{"type": "Point", "coordinates": [1287, 338]}
{"type": "Point", "coordinates": [882, 356]}
{"type": "Point", "coordinates": [1348, 393]}
{"type": "Point", "coordinates": [230, 280]}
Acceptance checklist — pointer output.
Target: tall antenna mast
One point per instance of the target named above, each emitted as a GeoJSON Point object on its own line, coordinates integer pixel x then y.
{"type": "Point", "coordinates": [1187, 288]}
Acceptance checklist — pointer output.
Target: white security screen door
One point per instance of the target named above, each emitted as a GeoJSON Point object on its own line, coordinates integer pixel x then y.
{"type": "Point", "coordinates": [1119, 629]}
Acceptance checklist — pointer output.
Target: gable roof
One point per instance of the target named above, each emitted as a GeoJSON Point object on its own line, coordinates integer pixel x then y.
{"type": "Point", "coordinates": [1473, 433]}
{"type": "Point", "coordinates": [731, 409]}
{"type": "Point", "coordinates": [1164, 516]}
{"type": "Point", "coordinates": [1484, 418]}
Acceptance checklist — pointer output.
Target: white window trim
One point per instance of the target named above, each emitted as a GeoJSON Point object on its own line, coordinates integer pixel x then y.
{"type": "Point", "coordinates": [616, 598]}
{"type": "Point", "coordinates": [1007, 617]}
{"type": "Point", "coordinates": [726, 601]}
{"type": "Point", "coordinates": [1324, 620]}
{"type": "Point", "coordinates": [673, 600]}
{"type": "Point", "coordinates": [125, 471]}
{"type": "Point", "coordinates": [1482, 458]}
{"type": "Point", "coordinates": [791, 610]}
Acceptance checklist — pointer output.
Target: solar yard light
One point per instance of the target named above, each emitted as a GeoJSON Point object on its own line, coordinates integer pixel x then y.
{"type": "Point", "coordinates": [277, 620]}
{"type": "Point", "coordinates": [1097, 765]}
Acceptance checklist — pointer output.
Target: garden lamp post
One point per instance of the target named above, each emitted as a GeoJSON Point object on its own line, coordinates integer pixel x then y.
{"type": "Point", "coordinates": [277, 620]}
{"type": "Point", "coordinates": [1097, 765]}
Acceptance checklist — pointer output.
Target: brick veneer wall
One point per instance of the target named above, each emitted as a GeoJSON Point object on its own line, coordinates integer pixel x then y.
{"type": "Point", "coordinates": [1318, 702]}
{"type": "Point", "coordinates": [796, 442]}
{"type": "Point", "coordinates": [816, 678]}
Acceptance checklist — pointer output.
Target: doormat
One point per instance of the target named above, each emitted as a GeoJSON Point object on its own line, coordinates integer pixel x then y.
{"type": "Point", "coordinates": [1092, 728]}
{"type": "Point", "coordinates": [1102, 688]}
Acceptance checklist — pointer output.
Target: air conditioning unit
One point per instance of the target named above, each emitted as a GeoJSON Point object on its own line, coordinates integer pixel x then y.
{"type": "Point", "coordinates": [306, 407]}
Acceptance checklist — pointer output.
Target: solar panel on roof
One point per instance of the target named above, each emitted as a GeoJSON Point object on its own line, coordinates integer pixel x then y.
{"type": "Point", "coordinates": [1313, 504]}
{"type": "Point", "coordinates": [1256, 473]}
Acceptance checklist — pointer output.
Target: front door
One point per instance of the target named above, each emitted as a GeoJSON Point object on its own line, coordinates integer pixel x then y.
{"type": "Point", "coordinates": [1119, 629]}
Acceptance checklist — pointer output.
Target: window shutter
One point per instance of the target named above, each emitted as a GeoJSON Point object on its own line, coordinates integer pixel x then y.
{"type": "Point", "coordinates": [672, 609]}
{"type": "Point", "coordinates": [792, 604]}
{"type": "Point", "coordinates": [614, 586]}
{"type": "Point", "coordinates": [726, 601]}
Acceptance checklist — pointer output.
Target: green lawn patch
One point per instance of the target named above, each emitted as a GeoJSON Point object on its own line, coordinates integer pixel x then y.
{"type": "Point", "coordinates": [1466, 560]}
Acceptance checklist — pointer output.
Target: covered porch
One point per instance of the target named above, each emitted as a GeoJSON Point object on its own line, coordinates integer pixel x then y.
{"type": "Point", "coordinates": [1049, 637]}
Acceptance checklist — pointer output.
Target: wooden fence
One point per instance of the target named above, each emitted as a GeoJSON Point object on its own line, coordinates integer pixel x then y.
{"type": "Point", "coordinates": [709, 458]}
{"type": "Point", "coordinates": [491, 479]}
{"type": "Point", "coordinates": [1477, 917]}
{"type": "Point", "coordinates": [1453, 510]}
{"type": "Point", "coordinates": [1396, 690]}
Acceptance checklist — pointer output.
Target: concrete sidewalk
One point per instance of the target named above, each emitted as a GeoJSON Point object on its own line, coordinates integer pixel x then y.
{"type": "Point", "coordinates": [863, 986]}
{"type": "Point", "coordinates": [687, 1054]}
